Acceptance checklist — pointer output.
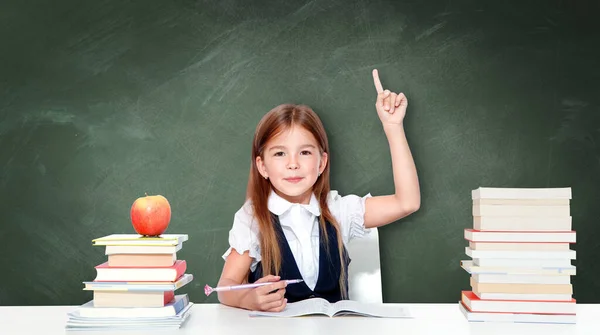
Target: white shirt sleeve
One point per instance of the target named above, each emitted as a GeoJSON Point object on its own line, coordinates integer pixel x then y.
{"type": "Point", "coordinates": [243, 235]}
{"type": "Point", "coordinates": [349, 211]}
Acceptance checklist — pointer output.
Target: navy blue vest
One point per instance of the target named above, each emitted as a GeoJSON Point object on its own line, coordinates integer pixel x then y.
{"type": "Point", "coordinates": [327, 286]}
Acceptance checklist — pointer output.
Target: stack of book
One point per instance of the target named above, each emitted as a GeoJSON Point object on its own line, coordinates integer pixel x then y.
{"type": "Point", "coordinates": [520, 256]}
{"type": "Point", "coordinates": [135, 288]}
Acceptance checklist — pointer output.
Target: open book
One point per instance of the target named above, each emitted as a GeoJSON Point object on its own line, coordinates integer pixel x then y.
{"type": "Point", "coordinates": [320, 306]}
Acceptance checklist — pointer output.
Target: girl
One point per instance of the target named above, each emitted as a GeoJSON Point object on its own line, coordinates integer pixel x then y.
{"type": "Point", "coordinates": [292, 226]}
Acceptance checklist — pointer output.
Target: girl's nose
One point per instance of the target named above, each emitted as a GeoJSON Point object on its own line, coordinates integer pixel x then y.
{"type": "Point", "coordinates": [292, 164]}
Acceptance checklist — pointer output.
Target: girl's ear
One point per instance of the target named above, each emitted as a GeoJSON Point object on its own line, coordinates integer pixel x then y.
{"type": "Point", "coordinates": [261, 167]}
{"type": "Point", "coordinates": [323, 163]}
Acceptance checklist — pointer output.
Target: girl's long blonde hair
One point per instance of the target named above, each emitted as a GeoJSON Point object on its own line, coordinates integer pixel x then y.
{"type": "Point", "coordinates": [277, 120]}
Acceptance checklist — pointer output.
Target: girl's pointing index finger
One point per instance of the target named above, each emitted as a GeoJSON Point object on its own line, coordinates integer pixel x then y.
{"type": "Point", "coordinates": [378, 86]}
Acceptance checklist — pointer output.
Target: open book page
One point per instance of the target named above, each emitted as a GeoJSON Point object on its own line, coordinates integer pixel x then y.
{"type": "Point", "coordinates": [350, 307]}
{"type": "Point", "coordinates": [319, 306]}
{"type": "Point", "coordinates": [300, 308]}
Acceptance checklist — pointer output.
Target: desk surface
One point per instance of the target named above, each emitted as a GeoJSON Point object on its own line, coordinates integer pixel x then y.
{"type": "Point", "coordinates": [223, 320]}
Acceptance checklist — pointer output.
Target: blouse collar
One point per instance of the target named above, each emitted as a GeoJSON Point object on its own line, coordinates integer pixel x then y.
{"type": "Point", "coordinates": [278, 205]}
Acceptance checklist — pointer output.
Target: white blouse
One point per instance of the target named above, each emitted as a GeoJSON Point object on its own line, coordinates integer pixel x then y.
{"type": "Point", "coordinates": [301, 229]}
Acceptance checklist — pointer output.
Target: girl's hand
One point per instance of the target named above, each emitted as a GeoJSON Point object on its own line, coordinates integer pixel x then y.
{"type": "Point", "coordinates": [269, 298]}
{"type": "Point", "coordinates": [391, 107]}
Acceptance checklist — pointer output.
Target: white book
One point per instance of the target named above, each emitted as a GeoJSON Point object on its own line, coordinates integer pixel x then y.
{"type": "Point", "coordinates": [76, 317]}
{"type": "Point", "coordinates": [142, 249]}
{"type": "Point", "coordinates": [522, 223]}
{"type": "Point", "coordinates": [521, 202]}
{"type": "Point", "coordinates": [76, 322]}
{"type": "Point", "coordinates": [519, 236]}
{"type": "Point", "coordinates": [471, 268]}
{"type": "Point", "coordinates": [527, 263]}
{"type": "Point", "coordinates": [526, 211]}
{"type": "Point", "coordinates": [521, 254]}
{"type": "Point", "coordinates": [518, 246]}
{"type": "Point", "coordinates": [521, 193]}
{"type": "Point", "coordinates": [320, 306]}
{"type": "Point", "coordinates": [138, 285]}
{"type": "Point", "coordinates": [173, 308]}
{"type": "Point", "coordinates": [521, 279]}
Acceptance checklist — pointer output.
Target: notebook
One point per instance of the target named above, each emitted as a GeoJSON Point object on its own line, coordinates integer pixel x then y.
{"type": "Point", "coordinates": [320, 306]}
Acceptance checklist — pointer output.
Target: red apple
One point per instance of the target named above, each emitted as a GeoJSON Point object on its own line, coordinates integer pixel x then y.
{"type": "Point", "coordinates": [150, 215]}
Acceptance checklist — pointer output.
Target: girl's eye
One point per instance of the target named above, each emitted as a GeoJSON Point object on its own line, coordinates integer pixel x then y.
{"type": "Point", "coordinates": [306, 152]}
{"type": "Point", "coordinates": [278, 153]}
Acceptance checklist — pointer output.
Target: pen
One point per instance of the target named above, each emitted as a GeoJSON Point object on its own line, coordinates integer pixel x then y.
{"type": "Point", "coordinates": [208, 290]}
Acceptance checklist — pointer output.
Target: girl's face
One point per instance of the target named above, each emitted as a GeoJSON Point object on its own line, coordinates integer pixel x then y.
{"type": "Point", "coordinates": [292, 161]}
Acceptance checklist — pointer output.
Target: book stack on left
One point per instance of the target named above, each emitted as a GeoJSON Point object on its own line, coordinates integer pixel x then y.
{"type": "Point", "coordinates": [135, 288]}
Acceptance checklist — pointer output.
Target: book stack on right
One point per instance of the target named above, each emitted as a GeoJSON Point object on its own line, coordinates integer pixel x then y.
{"type": "Point", "coordinates": [520, 256]}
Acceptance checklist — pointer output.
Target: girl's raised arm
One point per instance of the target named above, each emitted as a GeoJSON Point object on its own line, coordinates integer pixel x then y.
{"type": "Point", "coordinates": [382, 210]}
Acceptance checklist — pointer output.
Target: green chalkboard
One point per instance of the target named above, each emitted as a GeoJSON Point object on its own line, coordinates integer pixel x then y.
{"type": "Point", "coordinates": [104, 101]}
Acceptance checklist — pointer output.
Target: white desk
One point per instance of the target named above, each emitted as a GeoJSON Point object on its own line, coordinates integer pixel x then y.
{"type": "Point", "coordinates": [218, 319]}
